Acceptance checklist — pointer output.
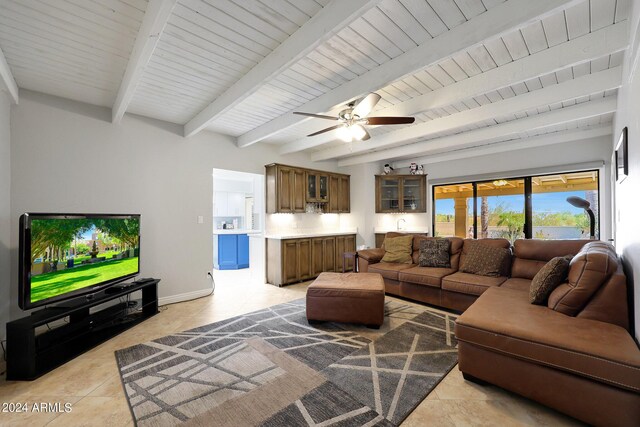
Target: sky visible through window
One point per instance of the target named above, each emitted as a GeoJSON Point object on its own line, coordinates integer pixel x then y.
{"type": "Point", "coordinates": [542, 203]}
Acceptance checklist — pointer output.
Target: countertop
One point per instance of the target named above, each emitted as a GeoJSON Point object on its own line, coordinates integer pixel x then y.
{"type": "Point", "coordinates": [303, 235]}
{"type": "Point", "coordinates": [236, 231]}
{"type": "Point", "coordinates": [390, 230]}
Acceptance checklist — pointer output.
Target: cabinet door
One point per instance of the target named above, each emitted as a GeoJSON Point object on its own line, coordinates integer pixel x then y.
{"type": "Point", "coordinates": [304, 259]}
{"type": "Point", "coordinates": [317, 256]}
{"type": "Point", "coordinates": [289, 261]}
{"type": "Point", "coordinates": [285, 189]}
{"type": "Point", "coordinates": [329, 254]}
{"type": "Point", "coordinates": [387, 194]}
{"type": "Point", "coordinates": [323, 188]}
{"type": "Point", "coordinates": [334, 194]}
{"type": "Point", "coordinates": [344, 195]}
{"type": "Point", "coordinates": [235, 204]}
{"type": "Point", "coordinates": [298, 191]}
{"type": "Point", "coordinates": [243, 251]}
{"type": "Point", "coordinates": [349, 246]}
{"type": "Point", "coordinates": [339, 252]}
{"type": "Point", "coordinates": [227, 251]}
{"type": "Point", "coordinates": [219, 203]}
{"type": "Point", "coordinates": [412, 194]}
{"type": "Point", "coordinates": [312, 188]}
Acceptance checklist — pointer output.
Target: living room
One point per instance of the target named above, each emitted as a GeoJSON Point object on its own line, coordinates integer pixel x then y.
{"type": "Point", "coordinates": [127, 106]}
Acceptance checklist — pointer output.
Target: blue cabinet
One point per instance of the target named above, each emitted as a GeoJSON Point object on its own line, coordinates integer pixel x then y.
{"type": "Point", "coordinates": [231, 252]}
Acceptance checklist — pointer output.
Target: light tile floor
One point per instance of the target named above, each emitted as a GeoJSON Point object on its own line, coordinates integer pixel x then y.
{"type": "Point", "coordinates": [90, 383]}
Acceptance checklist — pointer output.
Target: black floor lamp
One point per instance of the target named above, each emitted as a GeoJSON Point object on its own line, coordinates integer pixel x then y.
{"type": "Point", "coordinates": [582, 203]}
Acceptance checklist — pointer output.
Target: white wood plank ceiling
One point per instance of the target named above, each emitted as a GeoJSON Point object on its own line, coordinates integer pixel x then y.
{"type": "Point", "coordinates": [492, 70]}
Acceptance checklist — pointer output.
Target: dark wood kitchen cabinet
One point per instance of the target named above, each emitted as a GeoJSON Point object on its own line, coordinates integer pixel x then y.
{"type": "Point", "coordinates": [286, 189]}
{"type": "Point", "coordinates": [297, 260]}
{"type": "Point", "coordinates": [401, 193]}
{"type": "Point", "coordinates": [339, 194]}
{"type": "Point", "coordinates": [290, 188]}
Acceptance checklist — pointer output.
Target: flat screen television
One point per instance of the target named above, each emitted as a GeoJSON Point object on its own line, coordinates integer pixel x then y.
{"type": "Point", "coordinates": [63, 256]}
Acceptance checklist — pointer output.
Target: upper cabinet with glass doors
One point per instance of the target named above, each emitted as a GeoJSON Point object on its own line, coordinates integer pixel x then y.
{"type": "Point", "coordinates": [401, 193]}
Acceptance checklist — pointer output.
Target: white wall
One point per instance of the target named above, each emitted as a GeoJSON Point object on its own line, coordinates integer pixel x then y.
{"type": "Point", "coordinates": [627, 204]}
{"type": "Point", "coordinates": [68, 157]}
{"type": "Point", "coordinates": [5, 209]}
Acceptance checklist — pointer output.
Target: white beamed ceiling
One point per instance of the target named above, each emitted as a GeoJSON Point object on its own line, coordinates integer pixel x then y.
{"type": "Point", "coordinates": [79, 49]}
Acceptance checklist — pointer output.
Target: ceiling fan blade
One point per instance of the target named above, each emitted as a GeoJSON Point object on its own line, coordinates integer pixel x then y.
{"type": "Point", "coordinates": [367, 103]}
{"type": "Point", "coordinates": [366, 135]}
{"type": "Point", "coordinates": [317, 116]}
{"type": "Point", "coordinates": [325, 130]}
{"type": "Point", "coordinates": [390, 120]}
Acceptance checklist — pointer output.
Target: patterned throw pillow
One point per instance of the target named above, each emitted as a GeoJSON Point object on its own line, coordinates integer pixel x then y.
{"type": "Point", "coordinates": [435, 253]}
{"type": "Point", "coordinates": [547, 279]}
{"type": "Point", "coordinates": [398, 249]}
{"type": "Point", "coordinates": [485, 260]}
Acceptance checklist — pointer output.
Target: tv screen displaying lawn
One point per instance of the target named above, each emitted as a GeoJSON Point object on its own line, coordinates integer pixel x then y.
{"type": "Point", "coordinates": [72, 254]}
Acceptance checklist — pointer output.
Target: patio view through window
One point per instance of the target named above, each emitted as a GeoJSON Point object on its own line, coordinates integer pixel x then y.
{"type": "Point", "coordinates": [529, 207]}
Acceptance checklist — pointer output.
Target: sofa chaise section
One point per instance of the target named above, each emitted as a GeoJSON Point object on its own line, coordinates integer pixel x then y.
{"type": "Point", "coordinates": [585, 364]}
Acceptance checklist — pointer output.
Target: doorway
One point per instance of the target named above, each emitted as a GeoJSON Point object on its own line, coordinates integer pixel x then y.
{"type": "Point", "coordinates": [238, 227]}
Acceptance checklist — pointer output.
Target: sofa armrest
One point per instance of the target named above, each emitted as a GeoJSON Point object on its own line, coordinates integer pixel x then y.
{"type": "Point", "coordinates": [369, 256]}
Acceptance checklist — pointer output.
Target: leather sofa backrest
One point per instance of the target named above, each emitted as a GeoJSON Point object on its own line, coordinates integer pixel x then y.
{"type": "Point", "coordinates": [499, 243]}
{"type": "Point", "coordinates": [456, 249]}
{"type": "Point", "coordinates": [530, 255]}
{"type": "Point", "coordinates": [596, 286]}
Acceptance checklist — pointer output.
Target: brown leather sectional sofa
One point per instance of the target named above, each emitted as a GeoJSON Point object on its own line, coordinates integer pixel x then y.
{"type": "Point", "coordinates": [575, 354]}
{"type": "Point", "coordinates": [445, 287]}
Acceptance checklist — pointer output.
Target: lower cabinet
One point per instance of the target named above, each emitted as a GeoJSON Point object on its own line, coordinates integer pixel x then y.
{"type": "Point", "coordinates": [231, 252]}
{"type": "Point", "coordinates": [345, 244]}
{"type": "Point", "coordinates": [296, 260]}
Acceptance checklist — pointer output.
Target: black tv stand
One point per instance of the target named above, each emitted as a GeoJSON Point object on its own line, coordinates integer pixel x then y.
{"type": "Point", "coordinates": [31, 354]}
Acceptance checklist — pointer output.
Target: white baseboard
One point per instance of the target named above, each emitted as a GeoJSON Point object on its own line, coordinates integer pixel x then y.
{"type": "Point", "coordinates": [183, 297]}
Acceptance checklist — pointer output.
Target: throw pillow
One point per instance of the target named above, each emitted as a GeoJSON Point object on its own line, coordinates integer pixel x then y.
{"type": "Point", "coordinates": [435, 253]}
{"type": "Point", "coordinates": [485, 260]}
{"type": "Point", "coordinates": [547, 279]}
{"type": "Point", "coordinates": [398, 249]}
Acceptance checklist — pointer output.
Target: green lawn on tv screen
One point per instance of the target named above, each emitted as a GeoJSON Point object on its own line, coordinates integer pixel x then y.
{"type": "Point", "coordinates": [44, 286]}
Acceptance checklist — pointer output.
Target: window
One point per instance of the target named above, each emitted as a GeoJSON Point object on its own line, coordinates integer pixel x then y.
{"type": "Point", "coordinates": [453, 210]}
{"type": "Point", "coordinates": [555, 218]}
{"type": "Point", "coordinates": [516, 208]}
{"type": "Point", "coordinates": [501, 209]}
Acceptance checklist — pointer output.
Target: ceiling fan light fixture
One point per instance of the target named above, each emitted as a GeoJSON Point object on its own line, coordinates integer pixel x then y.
{"type": "Point", "coordinates": [344, 133]}
{"type": "Point", "coordinates": [357, 132]}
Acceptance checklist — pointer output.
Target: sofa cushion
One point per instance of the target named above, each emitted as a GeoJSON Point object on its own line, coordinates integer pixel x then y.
{"type": "Point", "coordinates": [398, 249]}
{"type": "Point", "coordinates": [589, 270]}
{"type": "Point", "coordinates": [427, 276]}
{"type": "Point", "coordinates": [455, 249]}
{"type": "Point", "coordinates": [517, 283]}
{"type": "Point", "coordinates": [485, 260]}
{"type": "Point", "coordinates": [389, 270]}
{"type": "Point", "coordinates": [435, 253]}
{"type": "Point", "coordinates": [547, 279]}
{"type": "Point", "coordinates": [502, 320]}
{"type": "Point", "coordinates": [471, 284]}
{"type": "Point", "coordinates": [530, 255]}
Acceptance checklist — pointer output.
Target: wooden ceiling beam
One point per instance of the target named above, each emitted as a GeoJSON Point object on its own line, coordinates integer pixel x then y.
{"type": "Point", "coordinates": [155, 19]}
{"type": "Point", "coordinates": [325, 24]}
{"type": "Point", "coordinates": [577, 51]}
{"type": "Point", "coordinates": [493, 23]}
{"type": "Point", "coordinates": [602, 132]}
{"type": "Point", "coordinates": [490, 134]}
{"type": "Point", "coordinates": [8, 82]}
{"type": "Point", "coordinates": [571, 89]}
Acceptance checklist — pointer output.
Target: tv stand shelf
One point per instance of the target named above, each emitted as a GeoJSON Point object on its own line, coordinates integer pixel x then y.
{"type": "Point", "coordinates": [31, 354]}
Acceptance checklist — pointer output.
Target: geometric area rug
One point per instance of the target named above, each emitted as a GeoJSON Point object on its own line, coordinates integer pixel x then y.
{"type": "Point", "coordinates": [272, 368]}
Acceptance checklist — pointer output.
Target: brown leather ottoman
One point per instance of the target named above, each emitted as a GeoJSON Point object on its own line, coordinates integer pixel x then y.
{"type": "Point", "coordinates": [348, 298]}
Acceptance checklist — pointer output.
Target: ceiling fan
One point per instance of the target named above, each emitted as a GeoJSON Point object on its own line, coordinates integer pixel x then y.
{"type": "Point", "coordinates": [353, 118]}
